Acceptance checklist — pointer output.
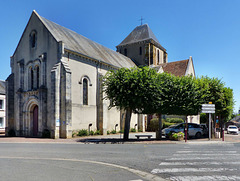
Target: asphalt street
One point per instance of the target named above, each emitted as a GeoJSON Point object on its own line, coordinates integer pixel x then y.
{"type": "Point", "coordinates": [77, 161]}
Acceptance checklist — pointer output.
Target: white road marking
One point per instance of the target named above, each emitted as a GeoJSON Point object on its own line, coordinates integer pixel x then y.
{"type": "Point", "coordinates": [196, 158]}
{"type": "Point", "coordinates": [204, 178]}
{"type": "Point", "coordinates": [199, 163]}
{"type": "Point", "coordinates": [189, 151]}
{"type": "Point", "coordinates": [206, 154]}
{"type": "Point", "coordinates": [175, 170]}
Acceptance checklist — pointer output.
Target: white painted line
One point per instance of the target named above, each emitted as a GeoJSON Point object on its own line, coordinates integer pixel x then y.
{"type": "Point", "coordinates": [205, 178]}
{"type": "Point", "coordinates": [145, 175]}
{"type": "Point", "coordinates": [197, 158]}
{"type": "Point", "coordinates": [189, 151]}
{"type": "Point", "coordinates": [199, 163]}
{"type": "Point", "coordinates": [175, 170]}
{"type": "Point", "coordinates": [210, 154]}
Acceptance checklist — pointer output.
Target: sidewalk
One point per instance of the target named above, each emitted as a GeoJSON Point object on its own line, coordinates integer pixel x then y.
{"type": "Point", "coordinates": [117, 139]}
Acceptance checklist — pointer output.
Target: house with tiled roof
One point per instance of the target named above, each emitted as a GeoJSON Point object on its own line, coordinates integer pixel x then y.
{"type": "Point", "coordinates": [2, 106]}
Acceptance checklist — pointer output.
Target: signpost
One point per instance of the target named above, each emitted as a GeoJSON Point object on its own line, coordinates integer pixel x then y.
{"type": "Point", "coordinates": [209, 108]}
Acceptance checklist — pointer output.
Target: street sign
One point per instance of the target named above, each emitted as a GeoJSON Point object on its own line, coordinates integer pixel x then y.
{"type": "Point", "coordinates": [208, 108]}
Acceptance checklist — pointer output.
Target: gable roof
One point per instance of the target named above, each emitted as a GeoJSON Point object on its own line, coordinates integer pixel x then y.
{"type": "Point", "coordinates": [82, 45]}
{"type": "Point", "coordinates": [141, 33]}
{"type": "Point", "coordinates": [177, 68]}
{"type": "Point", "coordinates": [2, 87]}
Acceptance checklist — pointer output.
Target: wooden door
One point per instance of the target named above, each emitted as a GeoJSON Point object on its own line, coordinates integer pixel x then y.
{"type": "Point", "coordinates": [35, 121]}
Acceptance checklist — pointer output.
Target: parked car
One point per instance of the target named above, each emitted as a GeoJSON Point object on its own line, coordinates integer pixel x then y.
{"type": "Point", "coordinates": [232, 129]}
{"type": "Point", "coordinates": [194, 130]}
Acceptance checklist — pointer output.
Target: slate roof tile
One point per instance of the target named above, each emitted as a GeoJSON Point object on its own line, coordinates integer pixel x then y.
{"type": "Point", "coordinates": [141, 33]}
{"type": "Point", "coordinates": [78, 43]}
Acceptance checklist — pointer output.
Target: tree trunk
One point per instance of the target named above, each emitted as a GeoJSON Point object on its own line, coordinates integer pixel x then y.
{"type": "Point", "coordinates": [127, 124]}
{"type": "Point", "coordinates": [159, 131]}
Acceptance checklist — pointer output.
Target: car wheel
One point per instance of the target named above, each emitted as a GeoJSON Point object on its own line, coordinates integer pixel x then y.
{"type": "Point", "coordinates": [198, 135]}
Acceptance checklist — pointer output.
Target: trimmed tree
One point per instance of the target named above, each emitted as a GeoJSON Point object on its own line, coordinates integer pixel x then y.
{"type": "Point", "coordinates": [132, 90]}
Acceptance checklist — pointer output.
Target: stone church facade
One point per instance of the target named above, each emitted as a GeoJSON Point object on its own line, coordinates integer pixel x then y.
{"type": "Point", "coordinates": [55, 81]}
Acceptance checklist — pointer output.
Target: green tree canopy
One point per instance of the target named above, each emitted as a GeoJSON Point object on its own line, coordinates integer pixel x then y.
{"type": "Point", "coordinates": [133, 90]}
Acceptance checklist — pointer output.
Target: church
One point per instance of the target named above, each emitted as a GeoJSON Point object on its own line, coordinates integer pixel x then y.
{"type": "Point", "coordinates": [55, 81]}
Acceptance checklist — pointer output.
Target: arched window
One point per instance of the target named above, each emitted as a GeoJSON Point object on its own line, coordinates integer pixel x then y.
{"type": "Point", "coordinates": [125, 51]}
{"type": "Point", "coordinates": [30, 78]}
{"type": "Point", "coordinates": [33, 39]}
{"type": "Point", "coordinates": [140, 51]}
{"type": "Point", "coordinates": [85, 92]}
{"type": "Point", "coordinates": [37, 69]}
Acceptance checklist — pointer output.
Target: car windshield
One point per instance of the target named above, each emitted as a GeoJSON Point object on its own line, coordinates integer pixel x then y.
{"type": "Point", "coordinates": [232, 127]}
{"type": "Point", "coordinates": [172, 126]}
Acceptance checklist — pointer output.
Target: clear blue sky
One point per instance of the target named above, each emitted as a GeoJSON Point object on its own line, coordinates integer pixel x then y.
{"type": "Point", "coordinates": [207, 30]}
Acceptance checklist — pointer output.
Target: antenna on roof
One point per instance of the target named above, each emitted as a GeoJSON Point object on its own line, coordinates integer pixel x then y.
{"type": "Point", "coordinates": [141, 20]}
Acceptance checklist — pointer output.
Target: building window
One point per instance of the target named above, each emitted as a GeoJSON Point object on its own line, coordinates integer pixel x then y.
{"type": "Point", "coordinates": [158, 58]}
{"type": "Point", "coordinates": [1, 123]}
{"type": "Point", "coordinates": [1, 104]}
{"type": "Point", "coordinates": [140, 51]}
{"type": "Point", "coordinates": [33, 39]}
{"type": "Point", "coordinates": [31, 78]}
{"type": "Point", "coordinates": [85, 92]}
{"type": "Point", "coordinates": [37, 69]}
{"type": "Point", "coordinates": [125, 51]}
{"type": "Point", "coordinates": [165, 58]}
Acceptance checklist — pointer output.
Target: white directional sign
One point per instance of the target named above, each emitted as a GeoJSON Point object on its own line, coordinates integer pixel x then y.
{"type": "Point", "coordinates": [208, 108]}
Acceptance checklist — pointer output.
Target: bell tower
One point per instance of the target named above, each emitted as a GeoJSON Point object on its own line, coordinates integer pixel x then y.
{"type": "Point", "coordinates": [142, 46]}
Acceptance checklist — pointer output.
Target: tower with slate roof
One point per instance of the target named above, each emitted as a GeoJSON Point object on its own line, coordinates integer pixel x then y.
{"type": "Point", "coordinates": [142, 46]}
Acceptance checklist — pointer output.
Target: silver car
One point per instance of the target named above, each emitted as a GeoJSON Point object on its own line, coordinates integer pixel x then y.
{"type": "Point", "coordinates": [194, 130]}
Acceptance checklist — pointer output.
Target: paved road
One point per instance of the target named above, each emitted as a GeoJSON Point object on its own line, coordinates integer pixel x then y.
{"type": "Point", "coordinates": [76, 161]}
{"type": "Point", "coordinates": [37, 159]}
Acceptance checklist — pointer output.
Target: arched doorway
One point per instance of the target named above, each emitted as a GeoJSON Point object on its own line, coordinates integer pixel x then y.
{"type": "Point", "coordinates": [35, 121]}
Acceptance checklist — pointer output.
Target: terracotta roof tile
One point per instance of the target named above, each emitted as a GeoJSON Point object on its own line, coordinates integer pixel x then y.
{"type": "Point", "coordinates": [177, 68]}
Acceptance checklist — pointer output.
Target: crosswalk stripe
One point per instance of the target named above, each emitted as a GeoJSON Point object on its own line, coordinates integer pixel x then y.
{"type": "Point", "coordinates": [199, 163]}
{"type": "Point", "coordinates": [196, 158]}
{"type": "Point", "coordinates": [174, 170]}
{"type": "Point", "coordinates": [204, 178]}
{"type": "Point", "coordinates": [216, 151]}
{"type": "Point", "coordinates": [205, 154]}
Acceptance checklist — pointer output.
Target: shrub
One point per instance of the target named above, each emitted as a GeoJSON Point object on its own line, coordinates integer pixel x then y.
{"type": "Point", "coordinates": [174, 120]}
{"type": "Point", "coordinates": [121, 131]}
{"type": "Point", "coordinates": [166, 124]}
{"type": "Point", "coordinates": [113, 131]}
{"type": "Point", "coordinates": [108, 132]}
{"type": "Point", "coordinates": [91, 132]}
{"type": "Point", "coordinates": [98, 132]}
{"type": "Point", "coordinates": [74, 133]}
{"type": "Point", "coordinates": [153, 126]}
{"type": "Point", "coordinates": [133, 130]}
{"type": "Point", "coordinates": [140, 130]}
{"type": "Point", "coordinates": [82, 132]}
{"type": "Point", "coordinates": [46, 133]}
